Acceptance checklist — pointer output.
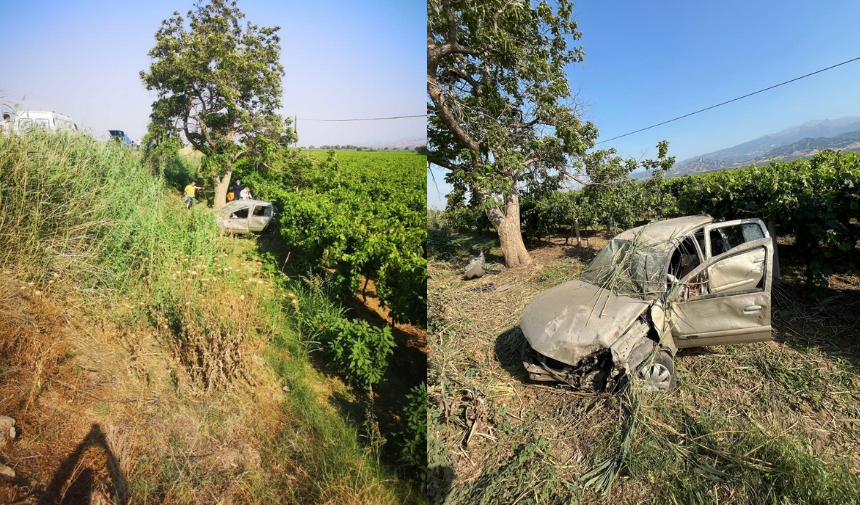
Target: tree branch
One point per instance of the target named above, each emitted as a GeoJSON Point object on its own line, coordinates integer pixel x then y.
{"type": "Point", "coordinates": [477, 86]}
{"type": "Point", "coordinates": [589, 183]}
{"type": "Point", "coordinates": [447, 117]}
{"type": "Point", "coordinates": [449, 16]}
{"type": "Point", "coordinates": [439, 161]}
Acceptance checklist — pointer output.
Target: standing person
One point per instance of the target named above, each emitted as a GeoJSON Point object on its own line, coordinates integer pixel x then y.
{"type": "Point", "coordinates": [246, 193]}
{"type": "Point", "coordinates": [237, 190]}
{"type": "Point", "coordinates": [7, 124]}
{"type": "Point", "coordinates": [190, 192]}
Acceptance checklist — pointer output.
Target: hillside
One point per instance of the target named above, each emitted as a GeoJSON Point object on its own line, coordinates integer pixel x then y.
{"type": "Point", "coordinates": [770, 146]}
{"type": "Point", "coordinates": [409, 143]}
{"type": "Point", "coordinates": [149, 359]}
{"type": "Point", "coordinates": [810, 146]}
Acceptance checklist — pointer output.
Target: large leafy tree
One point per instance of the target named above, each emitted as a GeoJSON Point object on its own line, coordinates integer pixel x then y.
{"type": "Point", "coordinates": [219, 84]}
{"type": "Point", "coordinates": [501, 115]}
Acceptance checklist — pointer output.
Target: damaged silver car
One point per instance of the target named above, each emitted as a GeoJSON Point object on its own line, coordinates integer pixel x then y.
{"type": "Point", "coordinates": [684, 282]}
{"type": "Point", "coordinates": [245, 216]}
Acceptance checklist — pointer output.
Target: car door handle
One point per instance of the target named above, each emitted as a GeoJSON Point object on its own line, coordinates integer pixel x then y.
{"type": "Point", "coordinates": [752, 308]}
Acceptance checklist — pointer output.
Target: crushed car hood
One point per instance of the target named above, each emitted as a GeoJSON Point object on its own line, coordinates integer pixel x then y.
{"type": "Point", "coordinates": [576, 319]}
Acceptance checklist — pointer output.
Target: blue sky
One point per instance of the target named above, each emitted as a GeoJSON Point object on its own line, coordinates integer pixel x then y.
{"type": "Point", "coordinates": [342, 59]}
{"type": "Point", "coordinates": [646, 62]}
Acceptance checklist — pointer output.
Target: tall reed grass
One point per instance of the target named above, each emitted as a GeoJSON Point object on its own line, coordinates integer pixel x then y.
{"type": "Point", "coordinates": [89, 216]}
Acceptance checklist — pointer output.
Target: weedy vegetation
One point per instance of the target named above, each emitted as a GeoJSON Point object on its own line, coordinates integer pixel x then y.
{"type": "Point", "coordinates": [151, 360]}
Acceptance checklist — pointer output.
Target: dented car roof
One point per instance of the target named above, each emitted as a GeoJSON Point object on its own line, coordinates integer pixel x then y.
{"type": "Point", "coordinates": [241, 204]}
{"type": "Point", "coordinates": [662, 235]}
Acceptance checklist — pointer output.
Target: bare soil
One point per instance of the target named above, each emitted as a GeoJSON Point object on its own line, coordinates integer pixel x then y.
{"type": "Point", "coordinates": [407, 366]}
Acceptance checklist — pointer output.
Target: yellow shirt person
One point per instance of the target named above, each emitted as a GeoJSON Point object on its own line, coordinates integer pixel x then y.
{"type": "Point", "coordinates": [190, 191]}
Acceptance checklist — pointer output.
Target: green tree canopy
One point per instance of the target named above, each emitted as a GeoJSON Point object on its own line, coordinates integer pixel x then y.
{"type": "Point", "coordinates": [219, 84]}
{"type": "Point", "coordinates": [501, 115]}
{"type": "Point", "coordinates": [501, 111]}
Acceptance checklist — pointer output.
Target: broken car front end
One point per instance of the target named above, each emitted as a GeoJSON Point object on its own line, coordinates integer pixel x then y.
{"type": "Point", "coordinates": [586, 336]}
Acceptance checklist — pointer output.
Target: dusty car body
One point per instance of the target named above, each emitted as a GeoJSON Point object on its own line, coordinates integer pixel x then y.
{"type": "Point", "coordinates": [245, 216]}
{"type": "Point", "coordinates": [672, 284]}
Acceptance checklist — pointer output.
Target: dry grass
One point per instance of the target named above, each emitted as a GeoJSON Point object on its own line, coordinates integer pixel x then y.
{"type": "Point", "coordinates": [100, 411]}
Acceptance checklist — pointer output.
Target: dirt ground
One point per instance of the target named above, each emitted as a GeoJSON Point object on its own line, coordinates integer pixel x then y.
{"type": "Point", "coordinates": [495, 434]}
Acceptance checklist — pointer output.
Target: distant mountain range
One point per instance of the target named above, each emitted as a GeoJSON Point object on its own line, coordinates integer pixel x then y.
{"type": "Point", "coordinates": [796, 142]}
{"type": "Point", "coordinates": [401, 143]}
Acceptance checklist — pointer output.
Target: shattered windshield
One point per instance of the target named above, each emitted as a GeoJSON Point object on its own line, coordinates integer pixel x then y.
{"type": "Point", "coordinates": [628, 269]}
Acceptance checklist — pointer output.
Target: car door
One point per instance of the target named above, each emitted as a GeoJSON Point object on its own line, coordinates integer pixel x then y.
{"type": "Point", "coordinates": [260, 216]}
{"type": "Point", "coordinates": [728, 299]}
{"type": "Point", "coordinates": [237, 220]}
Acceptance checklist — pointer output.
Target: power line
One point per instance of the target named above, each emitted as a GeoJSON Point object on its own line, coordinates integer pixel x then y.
{"type": "Point", "coordinates": [365, 119]}
{"type": "Point", "coordinates": [732, 100]}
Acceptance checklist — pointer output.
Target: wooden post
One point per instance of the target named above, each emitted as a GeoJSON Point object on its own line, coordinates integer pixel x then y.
{"type": "Point", "coordinates": [771, 229]}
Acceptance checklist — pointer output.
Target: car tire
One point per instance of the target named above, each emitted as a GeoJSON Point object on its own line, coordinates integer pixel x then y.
{"type": "Point", "coordinates": [658, 375]}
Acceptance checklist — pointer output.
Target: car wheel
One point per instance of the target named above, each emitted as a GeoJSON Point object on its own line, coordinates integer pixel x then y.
{"type": "Point", "coordinates": [659, 374]}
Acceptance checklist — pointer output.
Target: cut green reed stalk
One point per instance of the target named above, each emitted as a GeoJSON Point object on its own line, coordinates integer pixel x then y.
{"type": "Point", "coordinates": [603, 475]}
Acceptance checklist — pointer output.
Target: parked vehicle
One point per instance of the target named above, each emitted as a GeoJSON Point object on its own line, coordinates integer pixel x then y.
{"type": "Point", "coordinates": [684, 282]}
{"type": "Point", "coordinates": [51, 121]}
{"type": "Point", "coordinates": [245, 216]}
{"type": "Point", "coordinates": [120, 136]}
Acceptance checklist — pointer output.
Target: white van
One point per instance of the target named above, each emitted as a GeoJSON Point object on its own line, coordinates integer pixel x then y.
{"type": "Point", "coordinates": [24, 120]}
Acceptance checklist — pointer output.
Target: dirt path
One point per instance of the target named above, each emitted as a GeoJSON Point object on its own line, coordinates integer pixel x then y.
{"type": "Point", "coordinates": [407, 367]}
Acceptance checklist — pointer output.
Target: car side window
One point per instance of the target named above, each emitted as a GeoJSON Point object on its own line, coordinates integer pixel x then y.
{"type": "Point", "coordinates": [684, 259]}
{"type": "Point", "coordinates": [739, 272]}
{"type": "Point", "coordinates": [260, 210]}
{"type": "Point", "coordinates": [240, 214]}
{"type": "Point", "coordinates": [726, 238]}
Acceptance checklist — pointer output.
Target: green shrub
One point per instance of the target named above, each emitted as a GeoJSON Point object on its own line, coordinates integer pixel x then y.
{"type": "Point", "coordinates": [816, 200]}
{"type": "Point", "coordinates": [354, 215]}
{"type": "Point", "coordinates": [360, 350]}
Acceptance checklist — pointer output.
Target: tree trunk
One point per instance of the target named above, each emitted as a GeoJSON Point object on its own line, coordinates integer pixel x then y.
{"type": "Point", "coordinates": [507, 225]}
{"type": "Point", "coordinates": [222, 185]}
